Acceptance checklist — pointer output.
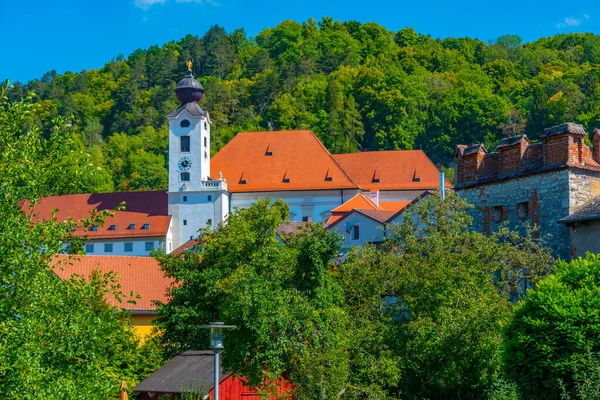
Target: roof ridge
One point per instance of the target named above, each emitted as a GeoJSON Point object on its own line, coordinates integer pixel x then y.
{"type": "Point", "coordinates": [334, 160]}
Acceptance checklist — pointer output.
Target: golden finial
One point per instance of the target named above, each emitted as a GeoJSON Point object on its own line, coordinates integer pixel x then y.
{"type": "Point", "coordinates": [189, 65]}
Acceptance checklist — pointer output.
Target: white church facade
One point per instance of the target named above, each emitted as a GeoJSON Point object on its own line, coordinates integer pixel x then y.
{"type": "Point", "coordinates": [369, 188]}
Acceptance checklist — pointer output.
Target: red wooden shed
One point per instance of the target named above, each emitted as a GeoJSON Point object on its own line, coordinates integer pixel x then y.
{"type": "Point", "coordinates": [193, 371]}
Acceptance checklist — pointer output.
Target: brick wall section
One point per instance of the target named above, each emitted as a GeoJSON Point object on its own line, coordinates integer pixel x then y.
{"type": "Point", "coordinates": [554, 177]}
{"type": "Point", "coordinates": [548, 198]}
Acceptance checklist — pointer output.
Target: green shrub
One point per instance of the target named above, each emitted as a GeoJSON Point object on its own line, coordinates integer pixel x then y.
{"type": "Point", "coordinates": [554, 328]}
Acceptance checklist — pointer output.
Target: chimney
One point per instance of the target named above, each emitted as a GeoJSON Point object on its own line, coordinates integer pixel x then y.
{"type": "Point", "coordinates": [563, 144]}
{"type": "Point", "coordinates": [596, 143]}
{"type": "Point", "coordinates": [375, 197]}
{"type": "Point", "coordinates": [468, 159]}
{"type": "Point", "coordinates": [510, 153]}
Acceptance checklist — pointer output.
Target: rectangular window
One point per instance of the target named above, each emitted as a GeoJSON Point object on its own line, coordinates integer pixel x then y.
{"type": "Point", "coordinates": [355, 232]}
{"type": "Point", "coordinates": [149, 246]}
{"type": "Point", "coordinates": [184, 222]}
{"type": "Point", "coordinates": [184, 142]}
{"type": "Point", "coordinates": [205, 142]}
{"type": "Point", "coordinates": [185, 177]}
{"type": "Point", "coordinates": [108, 247]}
{"type": "Point", "coordinates": [307, 219]}
{"type": "Point", "coordinates": [89, 248]}
{"type": "Point", "coordinates": [128, 247]}
{"type": "Point", "coordinates": [185, 199]}
{"type": "Point", "coordinates": [209, 197]}
{"type": "Point", "coordinates": [497, 213]}
{"type": "Point", "coordinates": [209, 222]}
{"type": "Point", "coordinates": [523, 209]}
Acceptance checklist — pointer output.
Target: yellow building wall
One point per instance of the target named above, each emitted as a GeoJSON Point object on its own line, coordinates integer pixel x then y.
{"type": "Point", "coordinates": [142, 325]}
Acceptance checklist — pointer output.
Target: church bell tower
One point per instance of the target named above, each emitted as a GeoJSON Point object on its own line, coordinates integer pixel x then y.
{"type": "Point", "coordinates": [195, 198]}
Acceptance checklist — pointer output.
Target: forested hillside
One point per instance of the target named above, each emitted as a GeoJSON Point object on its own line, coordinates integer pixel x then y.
{"type": "Point", "coordinates": [357, 86]}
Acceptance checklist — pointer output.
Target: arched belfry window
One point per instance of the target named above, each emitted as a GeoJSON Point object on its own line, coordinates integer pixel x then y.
{"type": "Point", "coordinates": [184, 123]}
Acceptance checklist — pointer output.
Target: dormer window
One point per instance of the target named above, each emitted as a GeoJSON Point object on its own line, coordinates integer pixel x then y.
{"type": "Point", "coordinates": [146, 225]}
{"type": "Point", "coordinates": [286, 180]}
{"type": "Point", "coordinates": [269, 153]}
{"type": "Point", "coordinates": [131, 226]}
{"type": "Point", "coordinates": [243, 182]}
{"type": "Point", "coordinates": [94, 228]}
{"type": "Point", "coordinates": [112, 227]}
{"type": "Point", "coordinates": [329, 179]}
{"type": "Point", "coordinates": [185, 123]}
{"type": "Point", "coordinates": [375, 180]}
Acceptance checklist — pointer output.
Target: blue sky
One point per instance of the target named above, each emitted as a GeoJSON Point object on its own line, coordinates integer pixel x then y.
{"type": "Point", "coordinates": [72, 35]}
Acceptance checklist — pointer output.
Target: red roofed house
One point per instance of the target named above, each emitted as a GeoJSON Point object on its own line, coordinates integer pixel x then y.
{"type": "Point", "coordinates": [291, 165]}
{"type": "Point", "coordinates": [140, 275]}
{"type": "Point", "coordinates": [361, 220]}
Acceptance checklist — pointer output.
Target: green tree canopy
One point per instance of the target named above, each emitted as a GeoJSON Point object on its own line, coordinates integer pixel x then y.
{"type": "Point", "coordinates": [554, 328]}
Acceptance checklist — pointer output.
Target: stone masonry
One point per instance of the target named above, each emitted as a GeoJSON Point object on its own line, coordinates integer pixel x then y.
{"type": "Point", "coordinates": [536, 184]}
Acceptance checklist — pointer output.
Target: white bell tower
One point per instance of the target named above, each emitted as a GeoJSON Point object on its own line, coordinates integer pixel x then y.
{"type": "Point", "coordinates": [195, 198]}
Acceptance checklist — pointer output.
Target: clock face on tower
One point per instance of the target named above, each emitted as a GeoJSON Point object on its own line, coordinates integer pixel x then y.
{"type": "Point", "coordinates": [185, 163]}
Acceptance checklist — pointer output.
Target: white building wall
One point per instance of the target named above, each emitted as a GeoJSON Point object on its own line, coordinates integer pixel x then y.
{"type": "Point", "coordinates": [118, 246]}
{"type": "Point", "coordinates": [369, 230]}
{"type": "Point", "coordinates": [315, 204]}
{"type": "Point", "coordinates": [192, 210]}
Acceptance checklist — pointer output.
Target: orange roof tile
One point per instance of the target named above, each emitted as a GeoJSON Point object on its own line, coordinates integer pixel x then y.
{"type": "Point", "coordinates": [142, 275]}
{"type": "Point", "coordinates": [265, 160]}
{"type": "Point", "coordinates": [358, 201]}
{"type": "Point", "coordinates": [141, 208]}
{"type": "Point", "coordinates": [393, 205]}
{"type": "Point", "coordinates": [391, 170]}
{"type": "Point", "coordinates": [187, 245]}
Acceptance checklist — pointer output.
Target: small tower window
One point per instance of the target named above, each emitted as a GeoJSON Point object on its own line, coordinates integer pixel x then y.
{"type": "Point", "coordinates": [185, 199]}
{"type": "Point", "coordinates": [209, 222]}
{"type": "Point", "coordinates": [205, 142]}
{"type": "Point", "coordinates": [205, 125]}
{"type": "Point", "coordinates": [184, 142]}
{"type": "Point", "coordinates": [185, 177]}
{"type": "Point", "coordinates": [184, 222]}
{"type": "Point", "coordinates": [185, 123]}
{"type": "Point", "coordinates": [209, 197]}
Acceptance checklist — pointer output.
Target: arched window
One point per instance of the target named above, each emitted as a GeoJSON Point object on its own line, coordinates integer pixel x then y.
{"type": "Point", "coordinates": [184, 123]}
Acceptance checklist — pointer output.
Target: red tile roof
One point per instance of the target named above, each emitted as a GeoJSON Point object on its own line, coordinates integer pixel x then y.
{"type": "Point", "coordinates": [142, 275]}
{"type": "Point", "coordinates": [393, 205]}
{"type": "Point", "coordinates": [365, 205]}
{"type": "Point", "coordinates": [395, 170]}
{"type": "Point", "coordinates": [358, 201]}
{"type": "Point", "coordinates": [265, 160]}
{"type": "Point", "coordinates": [141, 208]}
{"type": "Point", "coordinates": [187, 245]}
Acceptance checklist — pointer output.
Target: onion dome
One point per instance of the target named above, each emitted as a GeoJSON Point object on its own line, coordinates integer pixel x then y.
{"type": "Point", "coordinates": [189, 89]}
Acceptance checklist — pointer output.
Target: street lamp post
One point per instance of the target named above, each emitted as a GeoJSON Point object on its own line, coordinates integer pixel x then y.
{"type": "Point", "coordinates": [216, 343]}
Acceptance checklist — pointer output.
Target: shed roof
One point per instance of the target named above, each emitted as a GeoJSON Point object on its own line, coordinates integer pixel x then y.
{"type": "Point", "coordinates": [192, 370]}
{"type": "Point", "coordinates": [588, 211]}
{"type": "Point", "coordinates": [141, 275]}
